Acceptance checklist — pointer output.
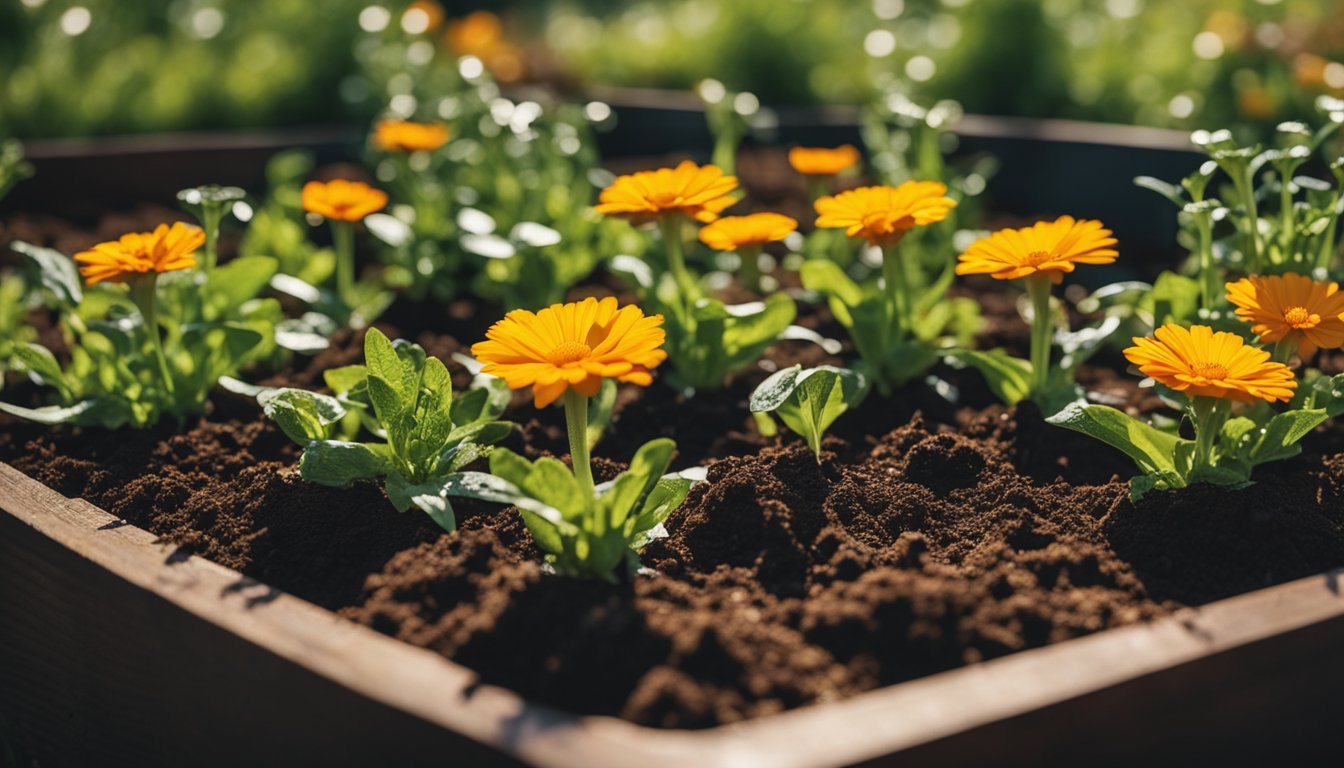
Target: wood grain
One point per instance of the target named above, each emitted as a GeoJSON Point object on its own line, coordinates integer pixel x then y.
{"type": "Point", "coordinates": [114, 650]}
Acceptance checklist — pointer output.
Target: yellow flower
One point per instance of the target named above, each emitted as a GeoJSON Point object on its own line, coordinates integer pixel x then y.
{"type": "Point", "coordinates": [822, 161]}
{"type": "Point", "coordinates": [404, 136]}
{"type": "Point", "coordinates": [1291, 307]}
{"type": "Point", "coordinates": [733, 232]}
{"type": "Point", "coordinates": [166, 249]}
{"type": "Point", "coordinates": [1046, 247]}
{"type": "Point", "coordinates": [572, 346]}
{"type": "Point", "coordinates": [700, 192]}
{"type": "Point", "coordinates": [342, 200]}
{"type": "Point", "coordinates": [883, 215]}
{"type": "Point", "coordinates": [1202, 362]}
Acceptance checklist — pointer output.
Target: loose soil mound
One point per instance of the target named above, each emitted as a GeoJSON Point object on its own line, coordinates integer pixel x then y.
{"type": "Point", "coordinates": [917, 544]}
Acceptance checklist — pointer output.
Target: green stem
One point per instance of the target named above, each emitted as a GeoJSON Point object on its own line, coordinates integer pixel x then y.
{"type": "Point", "coordinates": [142, 295]}
{"type": "Point", "coordinates": [1327, 252]}
{"type": "Point", "coordinates": [1208, 415]}
{"type": "Point", "coordinates": [750, 272]}
{"type": "Point", "coordinates": [1286, 226]}
{"type": "Point", "coordinates": [1038, 288]}
{"type": "Point", "coordinates": [818, 187]}
{"type": "Point", "coordinates": [899, 305]}
{"type": "Point", "coordinates": [211, 215]}
{"type": "Point", "coordinates": [1246, 186]}
{"type": "Point", "coordinates": [1208, 276]}
{"type": "Point", "coordinates": [343, 238]}
{"type": "Point", "coordinates": [1284, 349]}
{"type": "Point", "coordinates": [576, 422]}
{"type": "Point", "coordinates": [676, 256]}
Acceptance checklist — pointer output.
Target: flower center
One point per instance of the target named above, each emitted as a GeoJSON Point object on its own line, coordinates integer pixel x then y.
{"type": "Point", "coordinates": [665, 199]}
{"type": "Point", "coordinates": [568, 352]}
{"type": "Point", "coordinates": [1209, 370]}
{"type": "Point", "coordinates": [1036, 258]}
{"type": "Point", "coordinates": [1300, 317]}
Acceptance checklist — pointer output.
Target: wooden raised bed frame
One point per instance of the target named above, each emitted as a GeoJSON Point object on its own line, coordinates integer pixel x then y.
{"type": "Point", "coordinates": [117, 649]}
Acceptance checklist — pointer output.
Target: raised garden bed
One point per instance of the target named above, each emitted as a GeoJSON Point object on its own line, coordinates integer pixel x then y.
{"type": "Point", "coordinates": [933, 592]}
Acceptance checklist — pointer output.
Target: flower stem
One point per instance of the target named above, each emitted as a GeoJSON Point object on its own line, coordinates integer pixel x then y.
{"type": "Point", "coordinates": [142, 295]}
{"type": "Point", "coordinates": [1038, 288]}
{"type": "Point", "coordinates": [1208, 415]}
{"type": "Point", "coordinates": [900, 305]}
{"type": "Point", "coordinates": [1209, 278]}
{"type": "Point", "coordinates": [750, 271]}
{"type": "Point", "coordinates": [676, 256]}
{"type": "Point", "coordinates": [1286, 204]}
{"type": "Point", "coordinates": [211, 215]}
{"type": "Point", "coordinates": [1284, 349]}
{"type": "Point", "coordinates": [343, 238]}
{"type": "Point", "coordinates": [1245, 184]}
{"type": "Point", "coordinates": [576, 422]}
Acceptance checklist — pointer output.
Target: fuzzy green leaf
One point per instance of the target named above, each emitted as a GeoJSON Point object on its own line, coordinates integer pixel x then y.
{"type": "Point", "coordinates": [339, 463]}
{"type": "Point", "coordinates": [1151, 449]}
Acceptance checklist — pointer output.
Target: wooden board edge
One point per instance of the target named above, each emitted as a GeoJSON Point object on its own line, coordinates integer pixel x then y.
{"type": "Point", "coordinates": [435, 689]}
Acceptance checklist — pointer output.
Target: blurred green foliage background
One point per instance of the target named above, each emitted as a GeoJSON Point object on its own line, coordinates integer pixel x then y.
{"type": "Point", "coordinates": [88, 67]}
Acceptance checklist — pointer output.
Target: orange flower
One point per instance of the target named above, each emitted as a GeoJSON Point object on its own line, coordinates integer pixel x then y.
{"type": "Point", "coordinates": [883, 215]}
{"type": "Point", "coordinates": [342, 200]}
{"type": "Point", "coordinates": [822, 161]}
{"type": "Point", "coordinates": [166, 249]}
{"type": "Point", "coordinates": [1202, 362]}
{"type": "Point", "coordinates": [1291, 307]}
{"type": "Point", "coordinates": [733, 232]}
{"type": "Point", "coordinates": [572, 346]}
{"type": "Point", "coordinates": [481, 34]}
{"type": "Point", "coordinates": [405, 136]}
{"type": "Point", "coordinates": [1046, 247]}
{"type": "Point", "coordinates": [700, 192]}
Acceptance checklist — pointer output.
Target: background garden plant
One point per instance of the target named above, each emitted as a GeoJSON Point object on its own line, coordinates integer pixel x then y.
{"type": "Point", "coordinates": [707, 340]}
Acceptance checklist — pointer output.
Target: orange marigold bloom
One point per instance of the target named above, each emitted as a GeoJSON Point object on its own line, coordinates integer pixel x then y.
{"type": "Point", "coordinates": [1202, 362]}
{"type": "Point", "coordinates": [1293, 307]}
{"type": "Point", "coordinates": [406, 136]}
{"type": "Point", "coordinates": [166, 249]}
{"type": "Point", "coordinates": [823, 161]}
{"type": "Point", "coordinates": [883, 215]}
{"type": "Point", "coordinates": [573, 346]}
{"type": "Point", "coordinates": [700, 192]}
{"type": "Point", "coordinates": [733, 232]}
{"type": "Point", "coordinates": [1046, 247]}
{"type": "Point", "coordinates": [342, 200]}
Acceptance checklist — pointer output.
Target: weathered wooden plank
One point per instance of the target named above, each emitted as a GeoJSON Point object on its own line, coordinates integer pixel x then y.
{"type": "Point", "coordinates": [113, 651]}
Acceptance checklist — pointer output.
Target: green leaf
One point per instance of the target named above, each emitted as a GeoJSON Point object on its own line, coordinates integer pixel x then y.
{"type": "Point", "coordinates": [827, 278]}
{"type": "Point", "coordinates": [665, 497]}
{"type": "Point", "coordinates": [1170, 191]}
{"type": "Point", "coordinates": [303, 416]}
{"type": "Point", "coordinates": [1151, 449]}
{"type": "Point", "coordinates": [382, 360]}
{"type": "Point", "coordinates": [1175, 299]}
{"type": "Point", "coordinates": [1008, 377]}
{"type": "Point", "coordinates": [231, 285]}
{"type": "Point", "coordinates": [628, 490]}
{"type": "Point", "coordinates": [42, 367]}
{"type": "Point", "coordinates": [54, 271]}
{"type": "Point", "coordinates": [342, 380]}
{"type": "Point", "coordinates": [1282, 433]}
{"type": "Point", "coordinates": [339, 463]}
{"type": "Point", "coordinates": [808, 402]}
{"type": "Point", "coordinates": [50, 414]}
{"type": "Point", "coordinates": [429, 497]}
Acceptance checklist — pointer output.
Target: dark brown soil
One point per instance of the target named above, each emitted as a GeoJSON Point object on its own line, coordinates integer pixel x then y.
{"type": "Point", "coordinates": [919, 543]}
{"type": "Point", "coordinates": [929, 536]}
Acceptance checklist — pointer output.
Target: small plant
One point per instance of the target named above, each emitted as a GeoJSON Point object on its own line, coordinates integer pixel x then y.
{"type": "Point", "coordinates": [134, 364]}
{"type": "Point", "coordinates": [565, 352]}
{"type": "Point", "coordinates": [809, 401]}
{"type": "Point", "coordinates": [404, 398]}
{"type": "Point", "coordinates": [746, 236]}
{"type": "Point", "coordinates": [1041, 255]}
{"type": "Point", "coordinates": [1204, 373]}
{"type": "Point", "coordinates": [706, 339]}
{"type": "Point", "coordinates": [896, 325]}
{"type": "Point", "coordinates": [344, 203]}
